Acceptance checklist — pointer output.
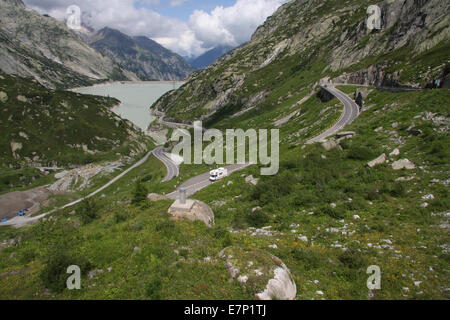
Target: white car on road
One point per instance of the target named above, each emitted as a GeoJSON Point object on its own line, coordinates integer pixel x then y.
{"type": "Point", "coordinates": [217, 174]}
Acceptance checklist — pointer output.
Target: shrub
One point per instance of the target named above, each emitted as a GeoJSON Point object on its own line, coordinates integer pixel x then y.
{"type": "Point", "coordinates": [398, 190]}
{"type": "Point", "coordinates": [305, 198]}
{"type": "Point", "coordinates": [352, 259]}
{"type": "Point", "coordinates": [356, 205]}
{"type": "Point", "coordinates": [336, 213]}
{"type": "Point", "coordinates": [153, 288]}
{"type": "Point", "coordinates": [137, 226]}
{"type": "Point", "coordinates": [27, 256]}
{"type": "Point", "coordinates": [140, 192]}
{"type": "Point", "coordinates": [257, 219]}
{"type": "Point", "coordinates": [274, 187]}
{"type": "Point", "coordinates": [309, 257]}
{"type": "Point", "coordinates": [223, 235]}
{"type": "Point", "coordinates": [239, 221]}
{"type": "Point", "coordinates": [394, 190]}
{"type": "Point", "coordinates": [439, 152]}
{"type": "Point", "coordinates": [166, 227]}
{"type": "Point", "coordinates": [345, 144]}
{"type": "Point", "coordinates": [54, 275]}
{"type": "Point", "coordinates": [120, 217]}
{"type": "Point", "coordinates": [360, 153]}
{"type": "Point", "coordinates": [147, 178]}
{"type": "Point", "coordinates": [220, 232]}
{"type": "Point", "coordinates": [88, 211]}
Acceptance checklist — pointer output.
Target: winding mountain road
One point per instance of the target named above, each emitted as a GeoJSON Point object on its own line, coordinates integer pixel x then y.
{"type": "Point", "coordinates": [193, 185]}
{"type": "Point", "coordinates": [200, 182]}
{"type": "Point", "coordinates": [350, 113]}
{"type": "Point", "coordinates": [172, 169]}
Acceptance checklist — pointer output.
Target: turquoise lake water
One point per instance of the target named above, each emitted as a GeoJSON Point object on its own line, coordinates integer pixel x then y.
{"type": "Point", "coordinates": [136, 98]}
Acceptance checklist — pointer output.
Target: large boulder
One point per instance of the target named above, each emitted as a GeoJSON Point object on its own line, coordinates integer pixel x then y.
{"type": "Point", "coordinates": [192, 210]}
{"type": "Point", "coordinates": [3, 97]}
{"type": "Point", "coordinates": [15, 146]}
{"type": "Point", "coordinates": [261, 272]}
{"type": "Point", "coordinates": [252, 180]}
{"type": "Point", "coordinates": [403, 164]}
{"type": "Point", "coordinates": [345, 134]}
{"type": "Point", "coordinates": [330, 144]}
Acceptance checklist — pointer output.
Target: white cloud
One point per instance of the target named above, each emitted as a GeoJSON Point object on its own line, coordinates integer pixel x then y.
{"type": "Point", "coordinates": [232, 25]}
{"type": "Point", "coordinates": [204, 30]}
{"type": "Point", "coordinates": [176, 3]}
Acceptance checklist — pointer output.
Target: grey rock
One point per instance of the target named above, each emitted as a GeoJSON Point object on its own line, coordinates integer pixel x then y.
{"type": "Point", "coordinates": [394, 153]}
{"type": "Point", "coordinates": [47, 50]}
{"type": "Point", "coordinates": [330, 144]}
{"type": "Point", "coordinates": [94, 273]}
{"type": "Point", "coordinates": [380, 160]}
{"type": "Point", "coordinates": [403, 164]}
{"type": "Point", "coordinates": [198, 211]}
{"type": "Point", "coordinates": [278, 283]}
{"type": "Point", "coordinates": [345, 134]}
{"type": "Point", "coordinates": [251, 180]}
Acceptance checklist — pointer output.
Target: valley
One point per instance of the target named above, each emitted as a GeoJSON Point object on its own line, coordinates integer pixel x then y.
{"type": "Point", "coordinates": [362, 160]}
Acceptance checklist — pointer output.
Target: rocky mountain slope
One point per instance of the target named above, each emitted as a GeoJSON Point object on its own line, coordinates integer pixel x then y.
{"type": "Point", "coordinates": [307, 40]}
{"type": "Point", "coordinates": [327, 216]}
{"type": "Point", "coordinates": [40, 47]}
{"type": "Point", "coordinates": [210, 56]}
{"type": "Point", "coordinates": [375, 196]}
{"type": "Point", "coordinates": [42, 127]}
{"type": "Point", "coordinates": [141, 55]}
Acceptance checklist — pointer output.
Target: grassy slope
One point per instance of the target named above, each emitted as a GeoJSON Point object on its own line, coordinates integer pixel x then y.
{"type": "Point", "coordinates": [409, 237]}
{"type": "Point", "coordinates": [53, 126]}
{"type": "Point", "coordinates": [394, 232]}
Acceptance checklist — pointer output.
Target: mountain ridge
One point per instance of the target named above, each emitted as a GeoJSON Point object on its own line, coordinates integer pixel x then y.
{"type": "Point", "coordinates": [210, 56]}
{"type": "Point", "coordinates": [145, 57]}
{"type": "Point", "coordinates": [45, 49]}
{"type": "Point", "coordinates": [316, 39]}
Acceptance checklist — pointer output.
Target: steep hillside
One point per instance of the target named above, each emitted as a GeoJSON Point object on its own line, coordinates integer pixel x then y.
{"type": "Point", "coordinates": [141, 55]}
{"type": "Point", "coordinates": [307, 40]}
{"type": "Point", "coordinates": [39, 47]}
{"type": "Point", "coordinates": [42, 127]}
{"type": "Point", "coordinates": [327, 215]}
{"type": "Point", "coordinates": [210, 56]}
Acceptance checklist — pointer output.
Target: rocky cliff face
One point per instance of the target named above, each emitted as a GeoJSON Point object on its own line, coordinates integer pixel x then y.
{"type": "Point", "coordinates": [32, 45]}
{"type": "Point", "coordinates": [306, 40]}
{"type": "Point", "coordinates": [141, 55]}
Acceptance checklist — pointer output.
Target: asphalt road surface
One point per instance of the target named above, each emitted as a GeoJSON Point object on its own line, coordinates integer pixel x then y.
{"type": "Point", "coordinates": [21, 221]}
{"type": "Point", "coordinates": [172, 169]}
{"type": "Point", "coordinates": [193, 185]}
{"type": "Point", "coordinates": [350, 113]}
{"type": "Point", "coordinates": [200, 182]}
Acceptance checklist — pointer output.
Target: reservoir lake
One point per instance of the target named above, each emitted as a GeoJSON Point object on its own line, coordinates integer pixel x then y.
{"type": "Point", "coordinates": [136, 98]}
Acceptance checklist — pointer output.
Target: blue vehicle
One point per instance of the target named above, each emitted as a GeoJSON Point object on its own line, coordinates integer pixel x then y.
{"type": "Point", "coordinates": [3, 220]}
{"type": "Point", "coordinates": [22, 213]}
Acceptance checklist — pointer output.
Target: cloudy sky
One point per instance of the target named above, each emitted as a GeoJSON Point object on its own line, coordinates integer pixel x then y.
{"type": "Point", "coordinates": [188, 27]}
